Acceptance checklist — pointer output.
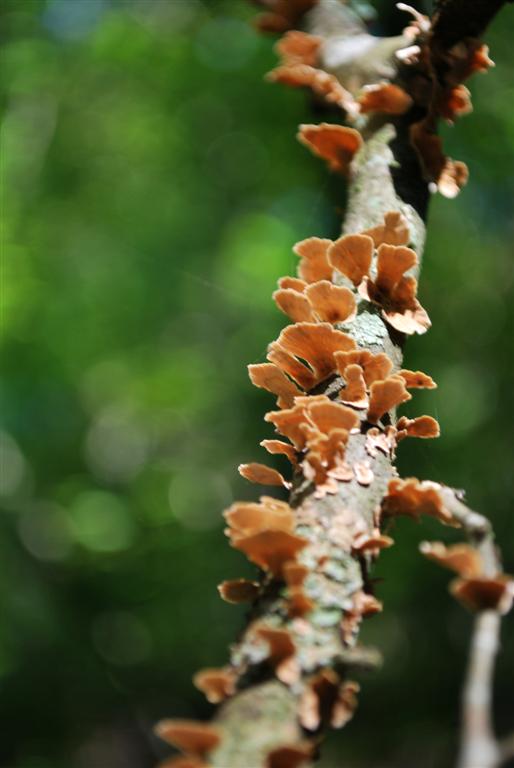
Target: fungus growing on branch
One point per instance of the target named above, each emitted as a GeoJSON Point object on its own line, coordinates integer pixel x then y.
{"type": "Point", "coordinates": [296, 47]}
{"type": "Point", "coordinates": [316, 343]}
{"type": "Point", "coordinates": [414, 498]}
{"type": "Point", "coordinates": [314, 264]}
{"type": "Point", "coordinates": [269, 377]}
{"type": "Point", "coordinates": [270, 549]}
{"type": "Point", "coordinates": [193, 738]}
{"type": "Point", "coordinates": [289, 756]}
{"type": "Point", "coordinates": [216, 684]}
{"type": "Point", "coordinates": [394, 230]}
{"type": "Point", "coordinates": [335, 144]}
{"type": "Point", "coordinates": [352, 255]}
{"type": "Point", "coordinates": [425, 427]}
{"type": "Point", "coordinates": [386, 98]}
{"type": "Point", "coordinates": [238, 591]}
{"type": "Point", "coordinates": [321, 301]}
{"type": "Point", "coordinates": [386, 395]}
{"type": "Point", "coordinates": [262, 475]}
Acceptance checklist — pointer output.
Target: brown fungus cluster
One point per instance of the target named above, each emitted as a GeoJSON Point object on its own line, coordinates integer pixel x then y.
{"type": "Point", "coordinates": [333, 395]}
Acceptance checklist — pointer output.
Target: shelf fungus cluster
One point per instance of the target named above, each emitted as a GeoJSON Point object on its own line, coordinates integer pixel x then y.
{"type": "Point", "coordinates": [336, 424]}
{"type": "Point", "coordinates": [428, 84]}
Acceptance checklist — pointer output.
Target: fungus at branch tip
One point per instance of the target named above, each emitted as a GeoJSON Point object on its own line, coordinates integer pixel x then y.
{"type": "Point", "coordinates": [334, 143]}
{"type": "Point", "coordinates": [238, 591]}
{"type": "Point", "coordinates": [216, 684]}
{"type": "Point", "coordinates": [314, 343]}
{"type": "Point", "coordinates": [386, 98]}
{"type": "Point", "coordinates": [413, 498]}
{"type": "Point", "coordinates": [193, 738]}
{"type": "Point", "coordinates": [262, 475]}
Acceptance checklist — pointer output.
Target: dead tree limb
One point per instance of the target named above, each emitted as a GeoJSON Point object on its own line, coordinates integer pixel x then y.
{"type": "Point", "coordinates": [337, 372]}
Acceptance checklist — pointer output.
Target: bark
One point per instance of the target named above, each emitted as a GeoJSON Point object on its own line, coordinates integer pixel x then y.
{"type": "Point", "coordinates": [264, 714]}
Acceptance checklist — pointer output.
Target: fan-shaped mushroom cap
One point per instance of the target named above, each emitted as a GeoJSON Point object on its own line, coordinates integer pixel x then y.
{"type": "Point", "coordinates": [351, 255]}
{"type": "Point", "coordinates": [188, 735]}
{"type": "Point", "coordinates": [331, 303]}
{"type": "Point", "coordinates": [262, 475]}
{"type": "Point", "coordinates": [485, 594]}
{"type": "Point", "coordinates": [238, 591]}
{"type": "Point", "coordinates": [296, 47]}
{"type": "Point", "coordinates": [314, 263]}
{"type": "Point", "coordinates": [414, 498]}
{"type": "Point", "coordinates": [270, 550]}
{"type": "Point", "coordinates": [294, 304]}
{"type": "Point", "coordinates": [461, 558]}
{"type": "Point", "coordinates": [277, 446]}
{"type": "Point", "coordinates": [270, 377]}
{"type": "Point", "coordinates": [394, 230]}
{"type": "Point", "coordinates": [386, 395]}
{"type": "Point", "coordinates": [334, 143]}
{"type": "Point", "coordinates": [386, 98]}
{"type": "Point", "coordinates": [422, 426]}
{"type": "Point", "coordinates": [216, 684]}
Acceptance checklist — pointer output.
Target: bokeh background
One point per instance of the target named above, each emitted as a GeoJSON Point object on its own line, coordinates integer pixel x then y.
{"type": "Point", "coordinates": [152, 190]}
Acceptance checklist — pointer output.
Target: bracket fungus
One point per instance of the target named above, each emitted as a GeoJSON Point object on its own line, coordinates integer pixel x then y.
{"type": "Point", "coordinates": [314, 343]}
{"type": "Point", "coordinates": [414, 498]}
{"type": "Point", "coordinates": [336, 144]}
{"type": "Point", "coordinates": [321, 301]}
{"type": "Point", "coordinates": [386, 395]}
{"type": "Point", "coordinates": [238, 591]}
{"type": "Point", "coordinates": [394, 230]}
{"type": "Point", "coordinates": [269, 377]}
{"type": "Point", "coordinates": [262, 475]}
{"type": "Point", "coordinates": [216, 684]}
{"type": "Point", "coordinates": [193, 738]}
{"type": "Point", "coordinates": [314, 264]}
{"type": "Point", "coordinates": [386, 98]}
{"type": "Point", "coordinates": [289, 756]}
{"type": "Point", "coordinates": [271, 549]}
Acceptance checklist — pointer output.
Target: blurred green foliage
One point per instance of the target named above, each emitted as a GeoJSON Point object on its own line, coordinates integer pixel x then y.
{"type": "Point", "coordinates": [152, 192]}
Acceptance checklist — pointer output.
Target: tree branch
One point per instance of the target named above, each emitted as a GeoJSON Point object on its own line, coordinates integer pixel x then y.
{"type": "Point", "coordinates": [292, 687]}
